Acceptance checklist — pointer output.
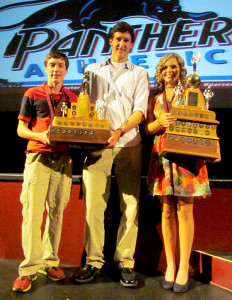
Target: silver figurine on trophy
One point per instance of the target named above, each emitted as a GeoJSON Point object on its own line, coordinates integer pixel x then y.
{"type": "Point", "coordinates": [195, 60]}
{"type": "Point", "coordinates": [85, 82]}
{"type": "Point", "coordinates": [208, 94]}
{"type": "Point", "coordinates": [193, 80]}
{"type": "Point", "coordinates": [100, 109]}
{"type": "Point", "coordinates": [64, 110]}
{"type": "Point", "coordinates": [178, 91]}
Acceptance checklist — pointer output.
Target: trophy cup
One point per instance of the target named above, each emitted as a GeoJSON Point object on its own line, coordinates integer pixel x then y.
{"type": "Point", "coordinates": [194, 96]}
{"type": "Point", "coordinates": [195, 130]}
{"type": "Point", "coordinates": [81, 123]}
{"type": "Point", "coordinates": [83, 99]}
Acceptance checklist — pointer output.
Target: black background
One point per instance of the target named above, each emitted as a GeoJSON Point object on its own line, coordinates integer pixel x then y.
{"type": "Point", "coordinates": [13, 147]}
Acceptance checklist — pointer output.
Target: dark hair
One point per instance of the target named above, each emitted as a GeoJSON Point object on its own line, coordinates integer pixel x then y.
{"type": "Point", "coordinates": [122, 27]}
{"type": "Point", "coordinates": [56, 54]}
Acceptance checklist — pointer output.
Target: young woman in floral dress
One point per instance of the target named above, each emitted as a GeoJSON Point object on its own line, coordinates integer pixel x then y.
{"type": "Point", "coordinates": [176, 182]}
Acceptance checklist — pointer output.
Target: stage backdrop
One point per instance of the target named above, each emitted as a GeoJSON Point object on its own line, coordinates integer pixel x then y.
{"type": "Point", "coordinates": [29, 29]}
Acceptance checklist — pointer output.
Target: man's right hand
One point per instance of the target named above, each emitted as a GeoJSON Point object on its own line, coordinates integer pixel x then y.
{"type": "Point", "coordinates": [114, 138]}
{"type": "Point", "coordinates": [26, 133]}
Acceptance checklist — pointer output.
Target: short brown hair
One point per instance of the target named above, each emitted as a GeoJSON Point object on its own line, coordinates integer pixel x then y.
{"type": "Point", "coordinates": [56, 54]}
{"type": "Point", "coordinates": [122, 27]}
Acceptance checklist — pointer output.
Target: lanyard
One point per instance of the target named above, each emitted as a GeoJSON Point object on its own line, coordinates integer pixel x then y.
{"type": "Point", "coordinates": [167, 105]}
{"type": "Point", "coordinates": [119, 96]}
{"type": "Point", "coordinates": [54, 111]}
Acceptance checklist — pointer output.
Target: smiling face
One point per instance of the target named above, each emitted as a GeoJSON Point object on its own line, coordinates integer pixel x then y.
{"type": "Point", "coordinates": [121, 46]}
{"type": "Point", "coordinates": [171, 72]}
{"type": "Point", "coordinates": [56, 70]}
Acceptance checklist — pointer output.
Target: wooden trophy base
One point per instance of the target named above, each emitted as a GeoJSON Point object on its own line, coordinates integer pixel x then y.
{"type": "Point", "coordinates": [72, 130]}
{"type": "Point", "coordinates": [203, 148]}
{"type": "Point", "coordinates": [194, 134]}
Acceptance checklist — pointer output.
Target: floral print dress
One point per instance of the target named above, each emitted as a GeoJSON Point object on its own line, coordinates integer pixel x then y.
{"type": "Point", "coordinates": [182, 177]}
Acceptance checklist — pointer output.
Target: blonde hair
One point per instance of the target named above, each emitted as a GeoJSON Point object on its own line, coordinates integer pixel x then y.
{"type": "Point", "coordinates": [160, 66]}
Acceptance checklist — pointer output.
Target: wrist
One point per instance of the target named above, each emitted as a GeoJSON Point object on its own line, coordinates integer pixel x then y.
{"type": "Point", "coordinates": [121, 131]}
{"type": "Point", "coordinates": [37, 136]}
{"type": "Point", "coordinates": [160, 122]}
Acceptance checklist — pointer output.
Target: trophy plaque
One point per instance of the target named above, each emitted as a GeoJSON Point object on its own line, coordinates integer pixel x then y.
{"type": "Point", "coordinates": [83, 123]}
{"type": "Point", "coordinates": [195, 130]}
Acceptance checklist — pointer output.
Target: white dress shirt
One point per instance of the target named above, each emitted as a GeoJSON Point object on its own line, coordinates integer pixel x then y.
{"type": "Point", "coordinates": [124, 88]}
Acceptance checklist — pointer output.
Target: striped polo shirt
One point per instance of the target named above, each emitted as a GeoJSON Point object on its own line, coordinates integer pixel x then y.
{"type": "Point", "coordinates": [35, 111]}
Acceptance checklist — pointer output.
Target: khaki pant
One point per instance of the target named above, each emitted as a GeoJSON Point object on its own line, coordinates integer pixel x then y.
{"type": "Point", "coordinates": [97, 182]}
{"type": "Point", "coordinates": [47, 177]}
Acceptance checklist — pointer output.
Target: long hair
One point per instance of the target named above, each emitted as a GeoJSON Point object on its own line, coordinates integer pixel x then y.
{"type": "Point", "coordinates": [160, 66]}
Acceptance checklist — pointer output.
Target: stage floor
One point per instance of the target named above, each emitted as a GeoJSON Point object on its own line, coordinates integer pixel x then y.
{"type": "Point", "coordinates": [104, 287]}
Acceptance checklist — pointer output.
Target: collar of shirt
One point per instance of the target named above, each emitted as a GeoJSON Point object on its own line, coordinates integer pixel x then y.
{"type": "Point", "coordinates": [47, 87]}
{"type": "Point", "coordinates": [127, 64]}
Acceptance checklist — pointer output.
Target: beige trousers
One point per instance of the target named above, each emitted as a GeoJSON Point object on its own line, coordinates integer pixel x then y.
{"type": "Point", "coordinates": [127, 163]}
{"type": "Point", "coordinates": [47, 178]}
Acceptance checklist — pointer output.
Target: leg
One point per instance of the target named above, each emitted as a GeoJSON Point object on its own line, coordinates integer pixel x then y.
{"type": "Point", "coordinates": [169, 231]}
{"type": "Point", "coordinates": [186, 232]}
{"type": "Point", "coordinates": [128, 175]}
{"type": "Point", "coordinates": [97, 180]}
{"type": "Point", "coordinates": [57, 198]}
{"type": "Point", "coordinates": [35, 185]}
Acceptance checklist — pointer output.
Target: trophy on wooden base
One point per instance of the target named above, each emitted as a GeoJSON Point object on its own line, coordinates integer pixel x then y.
{"type": "Point", "coordinates": [195, 130]}
{"type": "Point", "coordinates": [83, 123]}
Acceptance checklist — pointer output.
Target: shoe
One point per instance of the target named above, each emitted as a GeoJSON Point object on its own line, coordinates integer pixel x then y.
{"type": "Point", "coordinates": [86, 274]}
{"type": "Point", "coordinates": [53, 273]}
{"type": "Point", "coordinates": [181, 288]}
{"type": "Point", "coordinates": [128, 277]}
{"type": "Point", "coordinates": [168, 285]}
{"type": "Point", "coordinates": [23, 283]}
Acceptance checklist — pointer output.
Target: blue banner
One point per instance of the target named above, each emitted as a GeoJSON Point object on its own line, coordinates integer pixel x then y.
{"type": "Point", "coordinates": [29, 29]}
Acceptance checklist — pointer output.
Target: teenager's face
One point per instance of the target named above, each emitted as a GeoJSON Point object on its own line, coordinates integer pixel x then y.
{"type": "Point", "coordinates": [171, 72]}
{"type": "Point", "coordinates": [56, 70]}
{"type": "Point", "coordinates": [121, 46]}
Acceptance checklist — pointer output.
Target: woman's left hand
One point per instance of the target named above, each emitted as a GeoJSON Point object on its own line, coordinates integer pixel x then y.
{"type": "Point", "coordinates": [166, 119]}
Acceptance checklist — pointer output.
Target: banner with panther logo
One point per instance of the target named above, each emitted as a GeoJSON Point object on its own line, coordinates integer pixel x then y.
{"type": "Point", "coordinates": [29, 29]}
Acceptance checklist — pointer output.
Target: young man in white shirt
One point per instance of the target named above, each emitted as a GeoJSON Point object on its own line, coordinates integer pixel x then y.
{"type": "Point", "coordinates": [123, 89]}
